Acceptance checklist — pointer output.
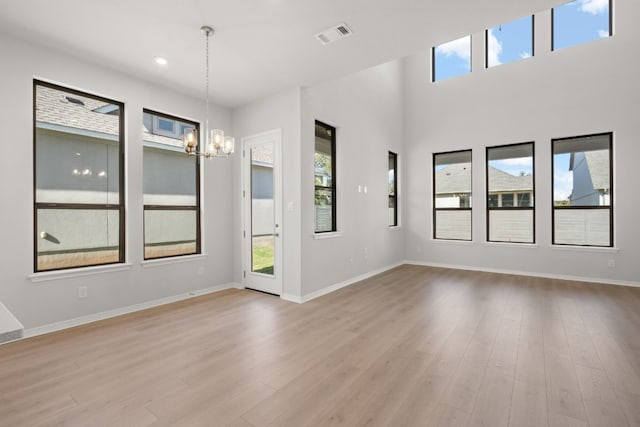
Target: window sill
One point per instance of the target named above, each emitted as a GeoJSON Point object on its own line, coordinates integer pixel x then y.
{"type": "Point", "coordinates": [150, 263]}
{"type": "Point", "coordinates": [512, 245]}
{"type": "Point", "coordinates": [330, 235]}
{"type": "Point", "coordinates": [394, 227]}
{"type": "Point", "coordinates": [595, 249]}
{"type": "Point", "coordinates": [453, 242]}
{"type": "Point", "coordinates": [47, 276]}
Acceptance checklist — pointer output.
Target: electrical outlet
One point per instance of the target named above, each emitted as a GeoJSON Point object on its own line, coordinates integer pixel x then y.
{"type": "Point", "coordinates": [82, 292]}
{"type": "Point", "coordinates": [611, 263]}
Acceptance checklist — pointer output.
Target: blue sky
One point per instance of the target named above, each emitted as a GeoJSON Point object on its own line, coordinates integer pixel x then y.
{"type": "Point", "coordinates": [562, 177]}
{"type": "Point", "coordinates": [576, 22]}
{"type": "Point", "coordinates": [514, 166]}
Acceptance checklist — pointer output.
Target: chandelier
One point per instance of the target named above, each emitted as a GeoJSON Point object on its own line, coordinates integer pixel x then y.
{"type": "Point", "coordinates": [215, 143]}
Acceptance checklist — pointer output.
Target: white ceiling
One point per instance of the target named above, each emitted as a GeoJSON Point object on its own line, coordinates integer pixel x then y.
{"type": "Point", "coordinates": [260, 46]}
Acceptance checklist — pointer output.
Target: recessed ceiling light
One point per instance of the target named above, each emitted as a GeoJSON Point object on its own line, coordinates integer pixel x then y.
{"type": "Point", "coordinates": [160, 60]}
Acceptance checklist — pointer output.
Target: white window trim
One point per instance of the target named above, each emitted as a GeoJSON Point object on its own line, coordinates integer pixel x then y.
{"type": "Point", "coordinates": [46, 276]}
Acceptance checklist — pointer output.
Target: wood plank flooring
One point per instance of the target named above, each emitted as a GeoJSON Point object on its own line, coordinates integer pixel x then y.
{"type": "Point", "coordinates": [414, 346]}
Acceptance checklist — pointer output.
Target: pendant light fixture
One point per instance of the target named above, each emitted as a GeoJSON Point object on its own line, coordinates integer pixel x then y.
{"type": "Point", "coordinates": [215, 143]}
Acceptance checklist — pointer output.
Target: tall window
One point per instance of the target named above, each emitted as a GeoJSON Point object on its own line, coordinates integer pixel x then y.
{"type": "Point", "coordinates": [451, 59]}
{"type": "Point", "coordinates": [393, 189]}
{"type": "Point", "coordinates": [171, 188]}
{"type": "Point", "coordinates": [580, 21]}
{"type": "Point", "coordinates": [582, 190]}
{"type": "Point", "coordinates": [452, 195]}
{"type": "Point", "coordinates": [325, 177]}
{"type": "Point", "coordinates": [509, 42]}
{"type": "Point", "coordinates": [78, 177]}
{"type": "Point", "coordinates": [510, 193]}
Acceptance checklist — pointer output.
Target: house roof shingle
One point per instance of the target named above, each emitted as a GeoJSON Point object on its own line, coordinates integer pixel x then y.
{"type": "Point", "coordinates": [456, 178]}
{"type": "Point", "coordinates": [54, 107]}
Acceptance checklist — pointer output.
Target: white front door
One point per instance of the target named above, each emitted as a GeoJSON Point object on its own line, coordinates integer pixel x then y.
{"type": "Point", "coordinates": [262, 207]}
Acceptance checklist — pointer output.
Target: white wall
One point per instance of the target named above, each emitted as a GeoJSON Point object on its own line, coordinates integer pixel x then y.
{"type": "Point", "coordinates": [280, 111]}
{"type": "Point", "coordinates": [585, 89]}
{"type": "Point", "coordinates": [36, 304]}
{"type": "Point", "coordinates": [367, 110]}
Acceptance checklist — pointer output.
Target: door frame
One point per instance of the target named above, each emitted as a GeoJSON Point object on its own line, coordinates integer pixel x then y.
{"type": "Point", "coordinates": [275, 136]}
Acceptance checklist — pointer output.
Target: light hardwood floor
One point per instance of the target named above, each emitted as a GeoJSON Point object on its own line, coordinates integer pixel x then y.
{"type": "Point", "coordinates": [414, 346]}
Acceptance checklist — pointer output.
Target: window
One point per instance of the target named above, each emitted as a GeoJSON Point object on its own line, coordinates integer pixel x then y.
{"type": "Point", "coordinates": [580, 21]}
{"type": "Point", "coordinates": [451, 59]}
{"type": "Point", "coordinates": [78, 178]}
{"type": "Point", "coordinates": [509, 42]}
{"type": "Point", "coordinates": [582, 190]}
{"type": "Point", "coordinates": [325, 178]}
{"type": "Point", "coordinates": [510, 193]}
{"type": "Point", "coordinates": [393, 189]}
{"type": "Point", "coordinates": [452, 195]}
{"type": "Point", "coordinates": [171, 187]}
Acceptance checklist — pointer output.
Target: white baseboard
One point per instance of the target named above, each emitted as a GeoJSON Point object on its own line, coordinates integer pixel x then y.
{"type": "Point", "coordinates": [335, 287]}
{"type": "Point", "coordinates": [58, 326]}
{"type": "Point", "coordinates": [528, 273]}
{"type": "Point", "coordinates": [291, 298]}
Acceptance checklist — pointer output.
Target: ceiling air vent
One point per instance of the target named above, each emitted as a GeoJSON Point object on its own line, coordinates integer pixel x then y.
{"type": "Point", "coordinates": [332, 34]}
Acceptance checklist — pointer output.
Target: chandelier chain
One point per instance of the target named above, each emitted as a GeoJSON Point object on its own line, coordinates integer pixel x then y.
{"type": "Point", "coordinates": [206, 81]}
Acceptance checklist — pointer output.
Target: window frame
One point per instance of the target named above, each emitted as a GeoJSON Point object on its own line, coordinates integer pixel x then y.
{"type": "Point", "coordinates": [333, 187]}
{"type": "Point", "coordinates": [434, 196]}
{"type": "Point", "coordinates": [512, 208]}
{"type": "Point", "coordinates": [533, 42]}
{"type": "Point", "coordinates": [394, 196]}
{"type": "Point", "coordinates": [611, 193]}
{"type": "Point", "coordinates": [553, 25]}
{"type": "Point", "coordinates": [120, 207]}
{"type": "Point", "coordinates": [197, 207]}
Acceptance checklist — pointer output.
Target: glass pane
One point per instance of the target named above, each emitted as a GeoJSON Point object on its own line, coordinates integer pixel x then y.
{"type": "Point", "coordinates": [324, 210]}
{"type": "Point", "coordinates": [510, 42]}
{"type": "Point", "coordinates": [510, 170]}
{"type": "Point", "coordinates": [169, 177]}
{"type": "Point", "coordinates": [580, 21]}
{"type": "Point", "coordinates": [452, 59]}
{"type": "Point", "coordinates": [77, 148]}
{"type": "Point", "coordinates": [582, 227]}
{"type": "Point", "coordinates": [392, 174]}
{"type": "Point", "coordinates": [392, 211]}
{"type": "Point", "coordinates": [165, 125]}
{"type": "Point", "coordinates": [76, 237]}
{"type": "Point", "coordinates": [524, 200]}
{"type": "Point", "coordinates": [169, 233]}
{"type": "Point", "coordinates": [453, 180]}
{"type": "Point", "coordinates": [453, 225]}
{"type": "Point", "coordinates": [581, 172]}
{"type": "Point", "coordinates": [511, 226]}
{"type": "Point", "coordinates": [322, 162]}
{"type": "Point", "coordinates": [262, 210]}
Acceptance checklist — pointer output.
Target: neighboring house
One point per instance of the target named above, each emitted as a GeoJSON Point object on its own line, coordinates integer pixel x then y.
{"type": "Point", "coordinates": [262, 191]}
{"type": "Point", "coordinates": [453, 187]}
{"type": "Point", "coordinates": [73, 133]}
{"type": "Point", "coordinates": [590, 178]}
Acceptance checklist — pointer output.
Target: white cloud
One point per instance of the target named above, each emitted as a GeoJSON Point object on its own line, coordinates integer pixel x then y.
{"type": "Point", "coordinates": [594, 7]}
{"type": "Point", "coordinates": [460, 48]}
{"type": "Point", "coordinates": [603, 34]}
{"type": "Point", "coordinates": [494, 50]}
{"type": "Point", "coordinates": [518, 161]}
{"type": "Point", "coordinates": [525, 55]}
{"type": "Point", "coordinates": [562, 185]}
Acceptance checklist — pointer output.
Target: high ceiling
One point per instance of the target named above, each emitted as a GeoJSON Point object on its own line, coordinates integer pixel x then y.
{"type": "Point", "coordinates": [260, 46]}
